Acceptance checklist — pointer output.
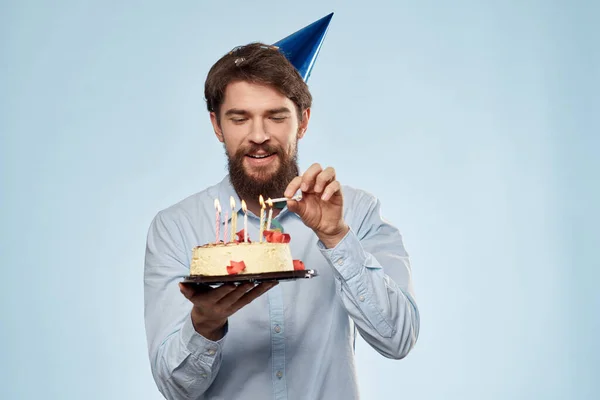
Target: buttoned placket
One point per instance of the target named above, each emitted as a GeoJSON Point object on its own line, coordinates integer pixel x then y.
{"type": "Point", "coordinates": [277, 342]}
{"type": "Point", "coordinates": [276, 317]}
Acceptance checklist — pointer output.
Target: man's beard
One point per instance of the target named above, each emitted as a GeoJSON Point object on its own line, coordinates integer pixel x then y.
{"type": "Point", "coordinates": [262, 182]}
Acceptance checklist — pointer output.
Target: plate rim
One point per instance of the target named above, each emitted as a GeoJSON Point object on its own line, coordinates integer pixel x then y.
{"type": "Point", "coordinates": [266, 276]}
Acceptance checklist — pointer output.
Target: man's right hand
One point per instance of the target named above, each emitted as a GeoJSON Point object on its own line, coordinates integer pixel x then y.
{"type": "Point", "coordinates": [212, 307]}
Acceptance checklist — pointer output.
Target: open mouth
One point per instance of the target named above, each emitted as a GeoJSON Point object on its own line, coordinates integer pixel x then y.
{"type": "Point", "coordinates": [260, 156]}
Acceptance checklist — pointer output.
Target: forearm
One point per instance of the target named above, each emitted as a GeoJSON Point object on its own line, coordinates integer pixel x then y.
{"type": "Point", "coordinates": [211, 330]}
{"type": "Point", "coordinates": [186, 363]}
{"type": "Point", "coordinates": [385, 314]}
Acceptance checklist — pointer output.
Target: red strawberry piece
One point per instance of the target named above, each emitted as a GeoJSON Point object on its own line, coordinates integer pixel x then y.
{"type": "Point", "coordinates": [276, 237]}
{"type": "Point", "coordinates": [236, 267]}
{"type": "Point", "coordinates": [298, 265]}
{"type": "Point", "coordinates": [240, 237]}
{"type": "Point", "coordinates": [268, 236]}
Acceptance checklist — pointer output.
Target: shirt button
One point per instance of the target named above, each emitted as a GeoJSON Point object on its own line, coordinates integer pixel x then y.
{"type": "Point", "coordinates": [340, 261]}
{"type": "Point", "coordinates": [211, 352]}
{"type": "Point", "coordinates": [362, 298]}
{"type": "Point", "coordinates": [277, 329]}
{"type": "Point", "coordinates": [279, 374]}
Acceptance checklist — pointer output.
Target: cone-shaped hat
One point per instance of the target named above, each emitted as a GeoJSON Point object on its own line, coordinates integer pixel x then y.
{"type": "Point", "coordinates": [301, 48]}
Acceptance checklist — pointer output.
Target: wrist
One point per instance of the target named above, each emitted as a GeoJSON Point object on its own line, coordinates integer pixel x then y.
{"type": "Point", "coordinates": [330, 240]}
{"type": "Point", "coordinates": [212, 330]}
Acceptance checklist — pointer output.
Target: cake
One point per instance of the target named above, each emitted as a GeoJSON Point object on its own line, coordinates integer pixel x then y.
{"type": "Point", "coordinates": [239, 257]}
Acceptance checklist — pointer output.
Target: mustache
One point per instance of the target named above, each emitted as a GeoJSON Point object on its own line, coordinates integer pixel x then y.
{"type": "Point", "coordinates": [254, 148]}
{"type": "Point", "coordinates": [261, 182]}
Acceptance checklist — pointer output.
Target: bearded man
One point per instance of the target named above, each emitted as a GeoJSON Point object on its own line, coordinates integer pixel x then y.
{"type": "Point", "coordinates": [293, 340]}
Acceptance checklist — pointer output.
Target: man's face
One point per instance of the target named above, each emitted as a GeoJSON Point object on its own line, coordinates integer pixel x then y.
{"type": "Point", "coordinates": [260, 130]}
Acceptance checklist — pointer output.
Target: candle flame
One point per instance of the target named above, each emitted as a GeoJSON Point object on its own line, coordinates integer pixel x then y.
{"type": "Point", "coordinates": [261, 201]}
{"type": "Point", "coordinates": [270, 202]}
{"type": "Point", "coordinates": [244, 208]}
{"type": "Point", "coordinates": [232, 202]}
{"type": "Point", "coordinates": [218, 205]}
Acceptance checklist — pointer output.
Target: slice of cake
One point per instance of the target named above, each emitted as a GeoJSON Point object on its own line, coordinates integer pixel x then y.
{"type": "Point", "coordinates": [239, 257]}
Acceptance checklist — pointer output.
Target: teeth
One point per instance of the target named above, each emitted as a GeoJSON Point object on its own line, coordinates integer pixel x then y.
{"type": "Point", "coordinates": [259, 156]}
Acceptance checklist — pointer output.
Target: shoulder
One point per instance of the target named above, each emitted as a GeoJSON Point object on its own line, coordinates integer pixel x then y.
{"type": "Point", "coordinates": [360, 207]}
{"type": "Point", "coordinates": [358, 200]}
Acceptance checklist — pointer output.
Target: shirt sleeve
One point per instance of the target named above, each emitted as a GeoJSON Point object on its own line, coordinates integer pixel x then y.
{"type": "Point", "coordinates": [184, 364]}
{"type": "Point", "coordinates": [373, 279]}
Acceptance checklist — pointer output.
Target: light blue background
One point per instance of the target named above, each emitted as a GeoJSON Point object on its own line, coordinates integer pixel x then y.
{"type": "Point", "coordinates": [476, 123]}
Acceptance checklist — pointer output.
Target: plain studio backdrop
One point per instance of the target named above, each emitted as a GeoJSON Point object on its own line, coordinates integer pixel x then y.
{"type": "Point", "coordinates": [475, 123]}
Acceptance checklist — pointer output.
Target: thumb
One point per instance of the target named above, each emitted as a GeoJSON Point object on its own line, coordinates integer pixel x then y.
{"type": "Point", "coordinates": [186, 291]}
{"type": "Point", "coordinates": [297, 207]}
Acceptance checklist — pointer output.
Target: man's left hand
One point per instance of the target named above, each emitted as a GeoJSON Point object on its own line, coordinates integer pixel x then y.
{"type": "Point", "coordinates": [322, 204]}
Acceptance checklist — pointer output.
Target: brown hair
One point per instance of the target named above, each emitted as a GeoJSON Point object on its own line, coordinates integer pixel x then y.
{"type": "Point", "coordinates": [256, 63]}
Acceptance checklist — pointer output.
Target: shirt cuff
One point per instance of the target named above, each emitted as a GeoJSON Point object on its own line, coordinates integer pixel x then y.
{"type": "Point", "coordinates": [203, 349]}
{"type": "Point", "coordinates": [348, 257]}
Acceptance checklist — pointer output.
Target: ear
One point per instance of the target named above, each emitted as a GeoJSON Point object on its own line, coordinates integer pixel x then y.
{"type": "Point", "coordinates": [216, 127]}
{"type": "Point", "coordinates": [304, 124]}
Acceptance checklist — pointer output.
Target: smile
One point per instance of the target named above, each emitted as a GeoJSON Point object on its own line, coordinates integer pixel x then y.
{"type": "Point", "coordinates": [259, 156]}
{"type": "Point", "coordinates": [260, 160]}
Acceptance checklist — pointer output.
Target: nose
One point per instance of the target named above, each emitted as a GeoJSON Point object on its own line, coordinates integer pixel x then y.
{"type": "Point", "coordinates": [258, 133]}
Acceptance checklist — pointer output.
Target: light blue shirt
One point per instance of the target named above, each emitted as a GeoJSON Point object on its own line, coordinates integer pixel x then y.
{"type": "Point", "coordinates": [296, 341]}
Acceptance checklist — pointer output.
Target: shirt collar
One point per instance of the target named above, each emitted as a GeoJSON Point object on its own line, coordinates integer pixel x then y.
{"type": "Point", "coordinates": [226, 191]}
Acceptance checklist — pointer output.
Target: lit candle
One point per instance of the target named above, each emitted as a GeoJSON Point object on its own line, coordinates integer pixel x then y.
{"type": "Point", "coordinates": [218, 218]}
{"type": "Point", "coordinates": [225, 231]}
{"type": "Point", "coordinates": [233, 218]}
{"type": "Point", "coordinates": [270, 217]}
{"type": "Point", "coordinates": [245, 210]}
{"type": "Point", "coordinates": [262, 218]}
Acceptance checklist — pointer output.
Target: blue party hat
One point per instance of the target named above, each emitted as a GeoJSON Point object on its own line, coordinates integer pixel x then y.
{"type": "Point", "coordinates": [301, 48]}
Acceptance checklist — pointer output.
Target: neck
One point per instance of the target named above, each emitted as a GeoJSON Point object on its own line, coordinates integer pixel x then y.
{"type": "Point", "coordinates": [254, 206]}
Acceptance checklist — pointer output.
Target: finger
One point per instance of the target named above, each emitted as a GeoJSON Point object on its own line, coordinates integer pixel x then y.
{"type": "Point", "coordinates": [324, 178]}
{"type": "Point", "coordinates": [334, 188]}
{"type": "Point", "coordinates": [203, 293]}
{"type": "Point", "coordinates": [309, 177]}
{"type": "Point", "coordinates": [229, 299]}
{"type": "Point", "coordinates": [297, 207]}
{"type": "Point", "coordinates": [293, 187]}
{"type": "Point", "coordinates": [187, 291]}
{"type": "Point", "coordinates": [221, 292]}
{"type": "Point", "coordinates": [249, 297]}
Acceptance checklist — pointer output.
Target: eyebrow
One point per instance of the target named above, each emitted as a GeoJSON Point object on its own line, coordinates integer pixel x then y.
{"type": "Point", "coordinates": [279, 110]}
{"type": "Point", "coordinates": [237, 111]}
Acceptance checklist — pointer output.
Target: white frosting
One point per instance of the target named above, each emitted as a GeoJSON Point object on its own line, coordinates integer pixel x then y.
{"type": "Point", "coordinates": [258, 258]}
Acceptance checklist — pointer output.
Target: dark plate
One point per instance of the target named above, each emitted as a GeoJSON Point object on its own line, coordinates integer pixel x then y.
{"type": "Point", "coordinates": [241, 278]}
